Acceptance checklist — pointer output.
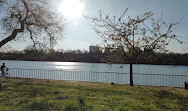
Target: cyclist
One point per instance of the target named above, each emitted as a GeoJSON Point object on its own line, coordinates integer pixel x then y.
{"type": "Point", "coordinates": [3, 69]}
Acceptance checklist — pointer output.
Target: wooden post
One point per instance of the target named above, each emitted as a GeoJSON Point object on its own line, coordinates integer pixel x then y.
{"type": "Point", "coordinates": [186, 85]}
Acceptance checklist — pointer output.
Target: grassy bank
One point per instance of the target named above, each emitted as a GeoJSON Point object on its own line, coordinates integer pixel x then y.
{"type": "Point", "coordinates": [35, 94]}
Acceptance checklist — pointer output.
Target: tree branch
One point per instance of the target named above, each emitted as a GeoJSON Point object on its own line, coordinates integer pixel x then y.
{"type": "Point", "coordinates": [13, 35]}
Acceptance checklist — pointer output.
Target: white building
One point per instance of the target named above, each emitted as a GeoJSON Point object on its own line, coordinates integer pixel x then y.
{"type": "Point", "coordinates": [120, 47]}
{"type": "Point", "coordinates": [93, 49]}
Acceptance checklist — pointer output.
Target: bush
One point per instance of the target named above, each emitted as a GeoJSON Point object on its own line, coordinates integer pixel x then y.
{"type": "Point", "coordinates": [112, 83]}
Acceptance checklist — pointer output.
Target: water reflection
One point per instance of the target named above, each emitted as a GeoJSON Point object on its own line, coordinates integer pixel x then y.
{"type": "Point", "coordinates": [66, 65]}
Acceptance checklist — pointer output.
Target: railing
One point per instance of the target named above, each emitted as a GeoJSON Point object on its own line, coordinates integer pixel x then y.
{"type": "Point", "coordinates": [90, 76]}
{"type": "Point", "coordinates": [160, 79]}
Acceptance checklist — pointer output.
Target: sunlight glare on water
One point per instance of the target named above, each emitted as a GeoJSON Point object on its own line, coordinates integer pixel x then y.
{"type": "Point", "coordinates": [65, 65]}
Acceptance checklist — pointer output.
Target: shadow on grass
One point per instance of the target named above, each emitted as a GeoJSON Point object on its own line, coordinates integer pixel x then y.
{"type": "Point", "coordinates": [170, 97]}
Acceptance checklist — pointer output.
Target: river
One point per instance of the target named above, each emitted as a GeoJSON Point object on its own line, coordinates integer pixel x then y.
{"type": "Point", "coordinates": [146, 74]}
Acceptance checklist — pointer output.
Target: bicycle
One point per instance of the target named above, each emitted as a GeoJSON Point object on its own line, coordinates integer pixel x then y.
{"type": "Point", "coordinates": [4, 72]}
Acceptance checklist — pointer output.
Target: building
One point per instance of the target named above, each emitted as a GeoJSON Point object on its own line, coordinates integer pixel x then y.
{"type": "Point", "coordinates": [93, 49]}
{"type": "Point", "coordinates": [120, 47]}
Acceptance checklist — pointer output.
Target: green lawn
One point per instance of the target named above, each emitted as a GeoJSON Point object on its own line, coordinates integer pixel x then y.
{"type": "Point", "coordinates": [34, 94]}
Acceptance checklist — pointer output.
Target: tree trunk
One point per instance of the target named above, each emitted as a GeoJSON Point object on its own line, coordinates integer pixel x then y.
{"type": "Point", "coordinates": [131, 74]}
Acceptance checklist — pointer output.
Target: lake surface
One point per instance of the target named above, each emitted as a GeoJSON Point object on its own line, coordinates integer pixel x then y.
{"type": "Point", "coordinates": [157, 75]}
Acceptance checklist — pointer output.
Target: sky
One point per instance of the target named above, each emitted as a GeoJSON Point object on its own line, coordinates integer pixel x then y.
{"type": "Point", "coordinates": [80, 33]}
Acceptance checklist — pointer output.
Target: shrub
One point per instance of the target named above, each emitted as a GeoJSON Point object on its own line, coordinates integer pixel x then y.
{"type": "Point", "coordinates": [112, 83]}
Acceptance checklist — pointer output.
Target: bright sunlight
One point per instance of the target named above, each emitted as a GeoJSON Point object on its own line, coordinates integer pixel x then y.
{"type": "Point", "coordinates": [71, 9]}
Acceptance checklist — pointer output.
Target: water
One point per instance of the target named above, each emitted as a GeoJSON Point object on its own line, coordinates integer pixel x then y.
{"type": "Point", "coordinates": [100, 72]}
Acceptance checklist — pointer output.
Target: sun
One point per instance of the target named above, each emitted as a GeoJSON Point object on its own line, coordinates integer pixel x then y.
{"type": "Point", "coordinates": [71, 9]}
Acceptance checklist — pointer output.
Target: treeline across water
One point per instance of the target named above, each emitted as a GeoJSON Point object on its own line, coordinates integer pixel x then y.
{"type": "Point", "coordinates": [99, 57]}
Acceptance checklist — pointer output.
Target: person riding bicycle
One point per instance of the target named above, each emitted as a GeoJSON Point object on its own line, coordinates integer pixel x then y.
{"type": "Point", "coordinates": [3, 69]}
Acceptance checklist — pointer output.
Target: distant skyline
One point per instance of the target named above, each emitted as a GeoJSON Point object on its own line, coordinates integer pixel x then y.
{"type": "Point", "coordinates": [80, 33]}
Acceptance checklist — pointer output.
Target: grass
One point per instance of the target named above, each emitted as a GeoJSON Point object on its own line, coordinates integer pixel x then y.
{"type": "Point", "coordinates": [19, 94]}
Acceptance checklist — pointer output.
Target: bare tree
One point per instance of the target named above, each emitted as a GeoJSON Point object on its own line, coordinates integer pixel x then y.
{"type": "Point", "coordinates": [135, 35]}
{"type": "Point", "coordinates": [33, 20]}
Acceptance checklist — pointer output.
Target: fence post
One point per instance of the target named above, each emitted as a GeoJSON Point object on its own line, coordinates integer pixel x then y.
{"type": "Point", "coordinates": [186, 85]}
{"type": "Point", "coordinates": [0, 82]}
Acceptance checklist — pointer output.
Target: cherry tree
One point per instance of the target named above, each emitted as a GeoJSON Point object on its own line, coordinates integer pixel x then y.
{"type": "Point", "coordinates": [136, 35]}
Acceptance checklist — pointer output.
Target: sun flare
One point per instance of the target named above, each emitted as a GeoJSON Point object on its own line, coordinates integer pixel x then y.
{"type": "Point", "coordinates": [71, 9]}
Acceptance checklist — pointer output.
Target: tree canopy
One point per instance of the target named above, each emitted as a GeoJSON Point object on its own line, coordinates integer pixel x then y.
{"type": "Point", "coordinates": [33, 20]}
